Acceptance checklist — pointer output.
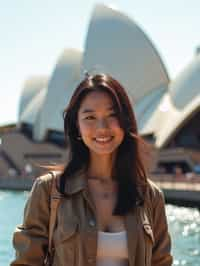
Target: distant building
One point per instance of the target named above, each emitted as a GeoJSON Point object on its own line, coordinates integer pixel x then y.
{"type": "Point", "coordinates": [167, 112]}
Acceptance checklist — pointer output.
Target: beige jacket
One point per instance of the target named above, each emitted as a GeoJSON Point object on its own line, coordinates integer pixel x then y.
{"type": "Point", "coordinates": [75, 236]}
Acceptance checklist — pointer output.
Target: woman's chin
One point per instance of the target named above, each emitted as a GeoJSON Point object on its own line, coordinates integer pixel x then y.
{"type": "Point", "coordinates": [103, 152]}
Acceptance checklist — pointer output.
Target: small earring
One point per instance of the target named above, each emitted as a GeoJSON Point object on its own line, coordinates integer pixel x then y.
{"type": "Point", "coordinates": [79, 137]}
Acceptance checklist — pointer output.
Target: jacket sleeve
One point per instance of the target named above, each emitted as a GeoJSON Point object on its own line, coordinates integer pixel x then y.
{"type": "Point", "coordinates": [30, 240]}
{"type": "Point", "coordinates": [161, 255]}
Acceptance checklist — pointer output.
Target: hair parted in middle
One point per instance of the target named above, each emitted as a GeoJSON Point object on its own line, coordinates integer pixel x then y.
{"type": "Point", "coordinates": [128, 169]}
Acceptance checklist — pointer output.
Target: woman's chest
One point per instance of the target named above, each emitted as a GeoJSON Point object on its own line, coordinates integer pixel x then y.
{"type": "Point", "coordinates": [106, 220]}
{"type": "Point", "coordinates": [76, 234]}
{"type": "Point", "coordinates": [85, 214]}
{"type": "Point", "coordinates": [104, 201]}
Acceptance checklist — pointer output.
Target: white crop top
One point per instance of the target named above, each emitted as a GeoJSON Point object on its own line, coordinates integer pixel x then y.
{"type": "Point", "coordinates": [112, 249]}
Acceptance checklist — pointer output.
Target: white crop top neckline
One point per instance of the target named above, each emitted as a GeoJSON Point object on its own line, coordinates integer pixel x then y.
{"type": "Point", "coordinates": [112, 249]}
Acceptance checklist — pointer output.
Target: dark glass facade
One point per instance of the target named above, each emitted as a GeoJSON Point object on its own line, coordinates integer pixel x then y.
{"type": "Point", "coordinates": [189, 135]}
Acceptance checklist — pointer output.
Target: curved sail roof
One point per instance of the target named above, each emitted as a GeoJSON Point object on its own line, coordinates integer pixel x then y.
{"type": "Point", "coordinates": [187, 85]}
{"type": "Point", "coordinates": [32, 86]}
{"type": "Point", "coordinates": [181, 103]}
{"type": "Point", "coordinates": [148, 112]}
{"type": "Point", "coordinates": [117, 45]}
{"type": "Point", "coordinates": [60, 87]}
{"type": "Point", "coordinates": [32, 111]}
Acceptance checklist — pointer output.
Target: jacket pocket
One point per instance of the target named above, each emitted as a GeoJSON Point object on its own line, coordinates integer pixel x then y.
{"type": "Point", "coordinates": [66, 239]}
{"type": "Point", "coordinates": [65, 232]}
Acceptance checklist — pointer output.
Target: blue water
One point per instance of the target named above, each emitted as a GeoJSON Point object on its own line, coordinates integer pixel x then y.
{"type": "Point", "coordinates": [184, 226]}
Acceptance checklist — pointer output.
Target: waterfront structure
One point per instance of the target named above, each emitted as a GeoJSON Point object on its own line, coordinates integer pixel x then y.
{"type": "Point", "coordinates": [167, 111]}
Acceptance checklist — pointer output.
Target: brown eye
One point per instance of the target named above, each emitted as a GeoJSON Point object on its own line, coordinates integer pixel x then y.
{"type": "Point", "coordinates": [90, 117]}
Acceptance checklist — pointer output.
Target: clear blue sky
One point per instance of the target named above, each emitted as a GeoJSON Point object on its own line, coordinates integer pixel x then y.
{"type": "Point", "coordinates": [33, 33]}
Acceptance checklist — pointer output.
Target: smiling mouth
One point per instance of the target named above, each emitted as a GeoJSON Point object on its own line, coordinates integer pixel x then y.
{"type": "Point", "coordinates": [103, 139]}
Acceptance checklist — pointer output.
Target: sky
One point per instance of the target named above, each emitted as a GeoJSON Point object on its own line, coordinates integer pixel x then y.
{"type": "Point", "coordinates": [33, 34]}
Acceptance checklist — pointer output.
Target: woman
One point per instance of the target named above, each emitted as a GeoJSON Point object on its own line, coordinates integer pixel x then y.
{"type": "Point", "coordinates": [105, 190]}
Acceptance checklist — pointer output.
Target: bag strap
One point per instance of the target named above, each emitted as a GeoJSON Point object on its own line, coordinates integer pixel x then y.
{"type": "Point", "coordinates": [54, 203]}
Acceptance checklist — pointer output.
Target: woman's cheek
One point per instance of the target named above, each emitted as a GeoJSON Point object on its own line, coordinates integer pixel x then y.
{"type": "Point", "coordinates": [86, 128]}
{"type": "Point", "coordinates": [115, 124]}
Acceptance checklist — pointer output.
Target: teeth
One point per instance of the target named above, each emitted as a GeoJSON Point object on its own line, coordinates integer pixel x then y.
{"type": "Point", "coordinates": [103, 139]}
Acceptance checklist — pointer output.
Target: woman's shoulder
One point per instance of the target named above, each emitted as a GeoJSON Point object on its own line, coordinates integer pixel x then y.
{"type": "Point", "coordinates": [48, 177]}
{"type": "Point", "coordinates": [153, 191]}
{"type": "Point", "coordinates": [44, 182]}
{"type": "Point", "coordinates": [154, 199]}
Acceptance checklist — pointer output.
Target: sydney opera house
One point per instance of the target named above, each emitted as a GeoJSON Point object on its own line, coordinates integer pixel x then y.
{"type": "Point", "coordinates": [167, 111]}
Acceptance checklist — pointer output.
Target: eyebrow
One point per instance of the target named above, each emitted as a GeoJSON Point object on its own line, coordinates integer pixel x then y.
{"type": "Point", "coordinates": [92, 111]}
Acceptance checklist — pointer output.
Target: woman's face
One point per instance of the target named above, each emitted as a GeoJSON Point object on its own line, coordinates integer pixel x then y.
{"type": "Point", "coordinates": [98, 124]}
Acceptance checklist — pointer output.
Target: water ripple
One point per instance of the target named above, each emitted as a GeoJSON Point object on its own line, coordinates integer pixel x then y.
{"type": "Point", "coordinates": [184, 226]}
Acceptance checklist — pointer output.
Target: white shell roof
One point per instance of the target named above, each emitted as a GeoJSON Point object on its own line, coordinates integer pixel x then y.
{"type": "Point", "coordinates": [187, 85]}
{"type": "Point", "coordinates": [32, 111]}
{"type": "Point", "coordinates": [148, 111]}
{"type": "Point", "coordinates": [60, 87]}
{"type": "Point", "coordinates": [179, 105]}
{"type": "Point", "coordinates": [116, 45]}
{"type": "Point", "coordinates": [32, 87]}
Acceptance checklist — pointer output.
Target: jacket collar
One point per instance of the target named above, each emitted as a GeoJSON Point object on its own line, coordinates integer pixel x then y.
{"type": "Point", "coordinates": [76, 183]}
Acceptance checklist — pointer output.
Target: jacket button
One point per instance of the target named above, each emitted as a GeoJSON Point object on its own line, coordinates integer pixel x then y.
{"type": "Point", "coordinates": [147, 228]}
{"type": "Point", "coordinates": [92, 223]}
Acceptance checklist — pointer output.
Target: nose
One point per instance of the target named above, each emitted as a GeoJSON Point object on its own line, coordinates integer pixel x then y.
{"type": "Point", "coordinates": [102, 124]}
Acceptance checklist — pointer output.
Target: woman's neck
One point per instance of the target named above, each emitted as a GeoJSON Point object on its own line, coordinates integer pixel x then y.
{"type": "Point", "coordinates": [100, 167]}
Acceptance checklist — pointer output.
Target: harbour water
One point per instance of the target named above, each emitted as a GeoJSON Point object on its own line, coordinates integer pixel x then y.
{"type": "Point", "coordinates": [184, 226]}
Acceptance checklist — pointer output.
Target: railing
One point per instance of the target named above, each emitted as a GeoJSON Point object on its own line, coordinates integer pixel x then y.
{"type": "Point", "coordinates": [190, 181]}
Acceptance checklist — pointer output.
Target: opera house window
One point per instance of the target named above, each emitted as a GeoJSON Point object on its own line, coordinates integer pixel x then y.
{"type": "Point", "coordinates": [189, 134]}
{"type": "Point", "coordinates": [56, 137]}
{"type": "Point", "coordinates": [27, 130]}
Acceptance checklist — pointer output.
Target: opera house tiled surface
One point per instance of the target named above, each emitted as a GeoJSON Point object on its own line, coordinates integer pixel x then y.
{"type": "Point", "coordinates": [168, 112]}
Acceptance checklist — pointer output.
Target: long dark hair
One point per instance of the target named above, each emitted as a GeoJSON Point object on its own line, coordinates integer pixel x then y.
{"type": "Point", "coordinates": [128, 170]}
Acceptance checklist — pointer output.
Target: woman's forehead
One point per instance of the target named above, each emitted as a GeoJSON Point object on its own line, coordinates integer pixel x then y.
{"type": "Point", "coordinates": [95, 100]}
